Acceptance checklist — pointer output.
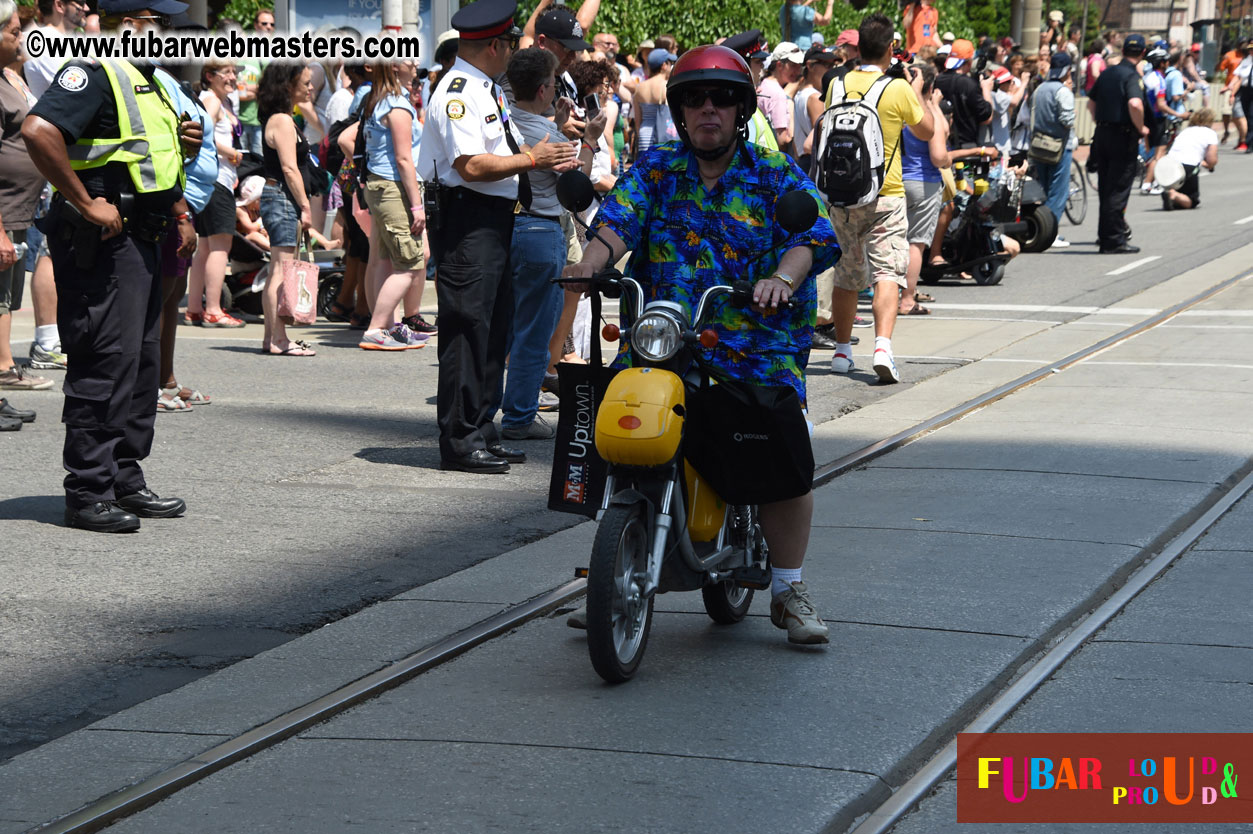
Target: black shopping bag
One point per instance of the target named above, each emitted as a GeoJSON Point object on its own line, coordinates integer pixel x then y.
{"type": "Point", "coordinates": [750, 442]}
{"type": "Point", "coordinates": [577, 484]}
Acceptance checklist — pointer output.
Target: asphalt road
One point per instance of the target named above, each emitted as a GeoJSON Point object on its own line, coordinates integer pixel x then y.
{"type": "Point", "coordinates": [313, 489]}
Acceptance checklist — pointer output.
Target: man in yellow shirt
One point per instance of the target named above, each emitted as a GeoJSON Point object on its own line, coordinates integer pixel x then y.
{"type": "Point", "coordinates": [873, 237]}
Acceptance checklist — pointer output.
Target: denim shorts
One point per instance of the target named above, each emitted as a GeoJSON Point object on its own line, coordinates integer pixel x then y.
{"type": "Point", "coordinates": [279, 216]}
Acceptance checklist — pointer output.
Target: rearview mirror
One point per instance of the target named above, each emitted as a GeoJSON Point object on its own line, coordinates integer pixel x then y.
{"type": "Point", "coordinates": [795, 211]}
{"type": "Point", "coordinates": [575, 191]}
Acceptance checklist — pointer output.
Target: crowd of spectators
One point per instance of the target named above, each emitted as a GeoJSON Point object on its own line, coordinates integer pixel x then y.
{"type": "Point", "coordinates": [292, 171]}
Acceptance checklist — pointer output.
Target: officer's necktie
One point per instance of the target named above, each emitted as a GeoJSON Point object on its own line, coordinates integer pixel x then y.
{"type": "Point", "coordinates": [524, 181]}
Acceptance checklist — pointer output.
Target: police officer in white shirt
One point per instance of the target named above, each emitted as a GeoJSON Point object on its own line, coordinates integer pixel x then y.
{"type": "Point", "coordinates": [475, 169]}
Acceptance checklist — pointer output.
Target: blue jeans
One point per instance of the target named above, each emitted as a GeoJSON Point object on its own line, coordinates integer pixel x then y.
{"type": "Point", "coordinates": [1056, 182]}
{"type": "Point", "coordinates": [252, 138]}
{"type": "Point", "coordinates": [536, 256]}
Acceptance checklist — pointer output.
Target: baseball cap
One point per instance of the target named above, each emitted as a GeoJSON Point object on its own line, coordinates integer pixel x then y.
{"type": "Point", "coordinates": [170, 7]}
{"type": "Point", "coordinates": [820, 53]}
{"type": "Point", "coordinates": [250, 190]}
{"type": "Point", "coordinates": [561, 25]}
{"type": "Point", "coordinates": [658, 57]}
{"type": "Point", "coordinates": [1196, 47]}
{"type": "Point", "coordinates": [646, 45]}
{"type": "Point", "coordinates": [1059, 65]}
{"type": "Point", "coordinates": [1056, 15]}
{"type": "Point", "coordinates": [963, 50]}
{"type": "Point", "coordinates": [817, 39]}
{"type": "Point", "coordinates": [1133, 45]}
{"type": "Point", "coordinates": [848, 36]}
{"type": "Point", "coordinates": [788, 51]}
{"type": "Point", "coordinates": [1002, 75]}
{"type": "Point", "coordinates": [948, 37]}
{"type": "Point", "coordinates": [944, 49]}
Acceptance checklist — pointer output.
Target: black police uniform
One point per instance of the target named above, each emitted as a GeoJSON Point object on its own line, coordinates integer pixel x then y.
{"type": "Point", "coordinates": [471, 230]}
{"type": "Point", "coordinates": [108, 306]}
{"type": "Point", "coordinates": [1115, 146]}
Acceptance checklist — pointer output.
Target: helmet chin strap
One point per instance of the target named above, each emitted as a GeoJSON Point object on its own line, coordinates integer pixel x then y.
{"type": "Point", "coordinates": [711, 155]}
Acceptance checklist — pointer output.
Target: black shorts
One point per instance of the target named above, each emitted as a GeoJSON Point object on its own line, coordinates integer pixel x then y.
{"type": "Point", "coordinates": [358, 240]}
{"type": "Point", "coordinates": [218, 218]}
{"type": "Point", "coordinates": [1191, 186]}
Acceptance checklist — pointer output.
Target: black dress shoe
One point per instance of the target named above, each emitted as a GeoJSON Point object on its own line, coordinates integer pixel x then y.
{"type": "Point", "coordinates": [506, 453]}
{"type": "Point", "coordinates": [102, 517]}
{"type": "Point", "coordinates": [7, 410]}
{"type": "Point", "coordinates": [1125, 249]}
{"type": "Point", "coordinates": [479, 461]}
{"type": "Point", "coordinates": [147, 504]}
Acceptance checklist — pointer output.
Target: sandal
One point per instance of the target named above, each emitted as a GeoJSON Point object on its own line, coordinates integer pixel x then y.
{"type": "Point", "coordinates": [191, 396]}
{"type": "Point", "coordinates": [296, 348]}
{"type": "Point", "coordinates": [169, 401]}
{"type": "Point", "coordinates": [360, 322]}
{"type": "Point", "coordinates": [221, 320]}
{"type": "Point", "coordinates": [339, 313]}
{"type": "Point", "coordinates": [916, 310]}
{"type": "Point", "coordinates": [922, 296]}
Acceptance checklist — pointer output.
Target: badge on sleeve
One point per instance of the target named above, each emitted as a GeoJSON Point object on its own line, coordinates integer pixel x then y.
{"type": "Point", "coordinates": [456, 108]}
{"type": "Point", "coordinates": [457, 84]}
{"type": "Point", "coordinates": [73, 79]}
{"type": "Point", "coordinates": [491, 118]}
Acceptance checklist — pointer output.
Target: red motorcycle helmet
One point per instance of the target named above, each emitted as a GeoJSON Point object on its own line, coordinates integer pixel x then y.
{"type": "Point", "coordinates": [711, 66]}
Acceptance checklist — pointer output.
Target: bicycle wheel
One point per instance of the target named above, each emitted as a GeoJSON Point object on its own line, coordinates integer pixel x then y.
{"type": "Point", "coordinates": [1077, 201]}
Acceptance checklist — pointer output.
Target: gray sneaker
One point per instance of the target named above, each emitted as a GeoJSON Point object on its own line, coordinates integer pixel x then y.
{"type": "Point", "coordinates": [793, 611]}
{"type": "Point", "coordinates": [48, 360]}
{"type": "Point", "coordinates": [538, 430]}
{"type": "Point", "coordinates": [16, 379]}
{"type": "Point", "coordinates": [549, 401]}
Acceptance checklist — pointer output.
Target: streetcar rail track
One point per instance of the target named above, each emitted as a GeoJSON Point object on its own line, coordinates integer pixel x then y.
{"type": "Point", "coordinates": [133, 799]}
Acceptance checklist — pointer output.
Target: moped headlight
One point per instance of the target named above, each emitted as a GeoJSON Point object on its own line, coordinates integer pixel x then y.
{"type": "Point", "coordinates": [656, 337]}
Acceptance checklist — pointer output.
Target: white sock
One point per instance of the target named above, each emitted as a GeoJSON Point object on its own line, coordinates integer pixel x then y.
{"type": "Point", "coordinates": [845, 348]}
{"type": "Point", "coordinates": [883, 343]}
{"type": "Point", "coordinates": [47, 336]}
{"type": "Point", "coordinates": [782, 579]}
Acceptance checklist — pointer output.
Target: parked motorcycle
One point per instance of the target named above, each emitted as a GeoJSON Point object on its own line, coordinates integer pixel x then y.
{"type": "Point", "coordinates": [972, 243]}
{"type": "Point", "coordinates": [662, 527]}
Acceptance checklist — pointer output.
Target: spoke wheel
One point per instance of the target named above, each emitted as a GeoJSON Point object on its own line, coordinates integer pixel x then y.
{"type": "Point", "coordinates": [1077, 202]}
{"type": "Point", "coordinates": [618, 615]}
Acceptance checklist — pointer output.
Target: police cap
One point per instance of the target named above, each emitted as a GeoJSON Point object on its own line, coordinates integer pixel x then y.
{"type": "Point", "coordinates": [486, 19]}
{"type": "Point", "coordinates": [749, 44]}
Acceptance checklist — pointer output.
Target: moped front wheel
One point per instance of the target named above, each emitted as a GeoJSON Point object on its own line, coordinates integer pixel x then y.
{"type": "Point", "coordinates": [619, 616]}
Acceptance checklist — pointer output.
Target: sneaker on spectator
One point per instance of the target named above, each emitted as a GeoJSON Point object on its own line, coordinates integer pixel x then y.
{"type": "Point", "coordinates": [1155, 191]}
{"type": "Point", "coordinates": [16, 379]}
{"type": "Point", "coordinates": [538, 430]}
{"type": "Point", "coordinates": [841, 364]}
{"type": "Point", "coordinates": [1059, 242]}
{"type": "Point", "coordinates": [403, 334]}
{"type": "Point", "coordinates": [380, 339]}
{"type": "Point", "coordinates": [885, 366]}
{"type": "Point", "coordinates": [1243, 146]}
{"type": "Point", "coordinates": [418, 324]}
{"type": "Point", "coordinates": [549, 401]}
{"type": "Point", "coordinates": [551, 384]}
{"type": "Point", "coordinates": [858, 321]}
{"type": "Point", "coordinates": [47, 360]}
{"type": "Point", "coordinates": [793, 611]}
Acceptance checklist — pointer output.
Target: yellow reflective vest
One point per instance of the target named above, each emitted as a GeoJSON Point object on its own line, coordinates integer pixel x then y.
{"type": "Point", "coordinates": [147, 141]}
{"type": "Point", "coordinates": [760, 132]}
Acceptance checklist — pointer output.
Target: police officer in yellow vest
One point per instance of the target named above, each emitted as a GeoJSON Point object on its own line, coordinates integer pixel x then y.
{"type": "Point", "coordinates": [752, 48]}
{"type": "Point", "coordinates": [108, 139]}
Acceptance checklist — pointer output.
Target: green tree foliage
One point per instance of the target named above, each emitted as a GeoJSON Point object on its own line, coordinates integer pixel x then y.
{"type": "Point", "coordinates": [692, 24]}
{"type": "Point", "coordinates": [244, 12]}
{"type": "Point", "coordinates": [985, 18]}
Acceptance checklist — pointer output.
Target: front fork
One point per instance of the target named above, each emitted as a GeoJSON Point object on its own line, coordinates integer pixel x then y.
{"type": "Point", "coordinates": [663, 523]}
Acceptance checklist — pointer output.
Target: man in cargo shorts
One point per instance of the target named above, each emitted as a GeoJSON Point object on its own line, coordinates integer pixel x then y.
{"type": "Point", "coordinates": [873, 236]}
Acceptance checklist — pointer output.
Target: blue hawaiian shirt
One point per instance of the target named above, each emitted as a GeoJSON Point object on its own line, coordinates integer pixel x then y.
{"type": "Point", "coordinates": [686, 238]}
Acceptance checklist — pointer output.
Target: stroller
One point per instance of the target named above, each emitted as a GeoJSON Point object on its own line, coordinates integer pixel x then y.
{"type": "Point", "coordinates": [249, 265]}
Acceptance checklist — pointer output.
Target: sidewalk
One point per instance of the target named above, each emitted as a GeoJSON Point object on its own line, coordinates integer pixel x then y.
{"type": "Point", "coordinates": [940, 568]}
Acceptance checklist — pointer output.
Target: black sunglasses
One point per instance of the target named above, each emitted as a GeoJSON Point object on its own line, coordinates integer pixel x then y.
{"type": "Point", "coordinates": [721, 97]}
{"type": "Point", "coordinates": [512, 40]}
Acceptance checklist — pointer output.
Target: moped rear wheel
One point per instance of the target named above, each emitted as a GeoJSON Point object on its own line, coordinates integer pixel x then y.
{"type": "Point", "coordinates": [619, 616]}
{"type": "Point", "coordinates": [725, 602]}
